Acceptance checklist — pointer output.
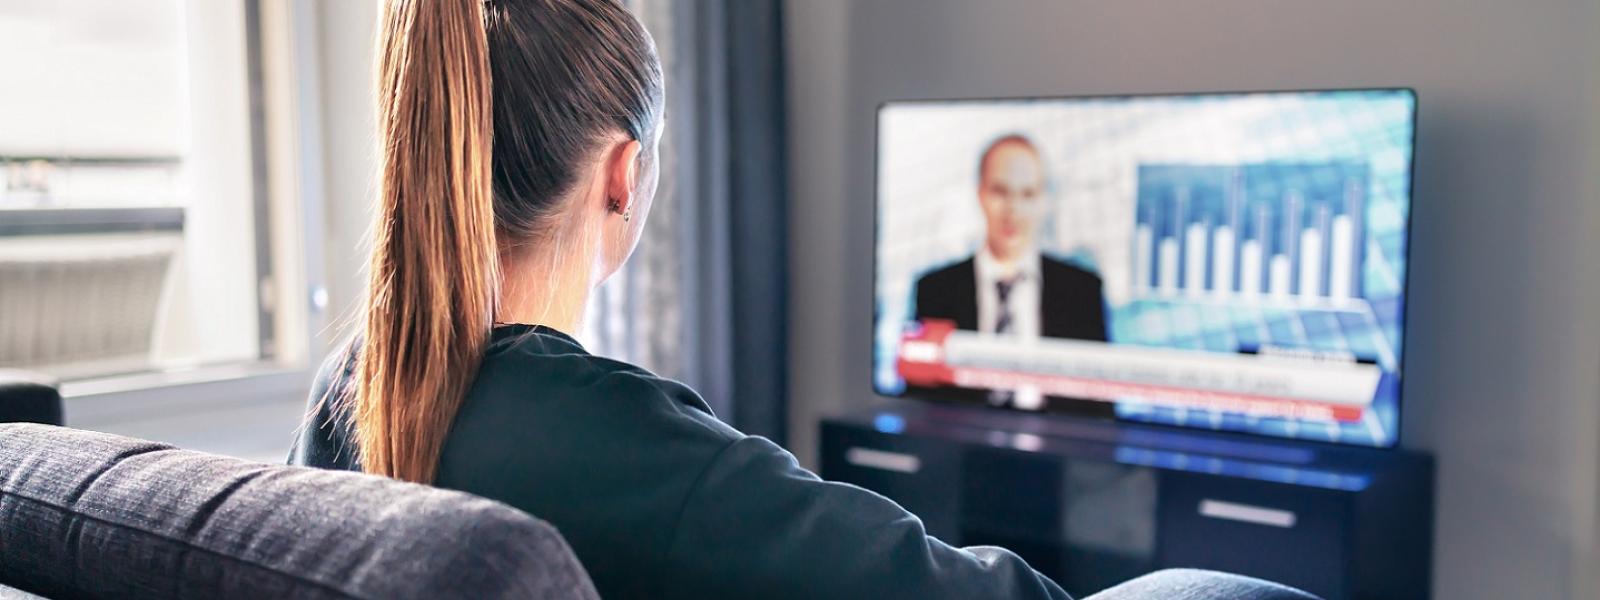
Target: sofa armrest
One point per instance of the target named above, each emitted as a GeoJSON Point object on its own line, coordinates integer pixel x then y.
{"type": "Point", "coordinates": [93, 515]}
{"type": "Point", "coordinates": [1195, 584]}
{"type": "Point", "coordinates": [27, 397]}
{"type": "Point", "coordinates": [11, 593]}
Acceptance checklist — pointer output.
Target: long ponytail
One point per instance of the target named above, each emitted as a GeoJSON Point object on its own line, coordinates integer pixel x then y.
{"type": "Point", "coordinates": [474, 149]}
{"type": "Point", "coordinates": [433, 274]}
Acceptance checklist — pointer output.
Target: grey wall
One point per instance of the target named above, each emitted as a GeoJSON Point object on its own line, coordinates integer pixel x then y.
{"type": "Point", "coordinates": [1503, 362]}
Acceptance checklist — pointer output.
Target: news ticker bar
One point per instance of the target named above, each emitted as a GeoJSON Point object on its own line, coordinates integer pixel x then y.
{"type": "Point", "coordinates": [937, 354]}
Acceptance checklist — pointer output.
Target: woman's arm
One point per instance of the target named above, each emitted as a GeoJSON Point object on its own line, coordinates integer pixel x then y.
{"type": "Point", "coordinates": [322, 439]}
{"type": "Point", "coordinates": [758, 525]}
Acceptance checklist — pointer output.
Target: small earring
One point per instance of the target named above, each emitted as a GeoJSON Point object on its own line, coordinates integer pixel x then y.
{"type": "Point", "coordinates": [627, 215]}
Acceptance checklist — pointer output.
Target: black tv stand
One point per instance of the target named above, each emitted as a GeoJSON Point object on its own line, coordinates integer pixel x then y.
{"type": "Point", "coordinates": [1092, 502]}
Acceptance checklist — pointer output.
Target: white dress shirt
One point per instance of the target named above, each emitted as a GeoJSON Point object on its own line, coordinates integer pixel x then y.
{"type": "Point", "coordinates": [1023, 299]}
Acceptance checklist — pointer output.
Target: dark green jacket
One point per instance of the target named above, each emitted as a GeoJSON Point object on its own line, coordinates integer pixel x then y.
{"type": "Point", "coordinates": [659, 499]}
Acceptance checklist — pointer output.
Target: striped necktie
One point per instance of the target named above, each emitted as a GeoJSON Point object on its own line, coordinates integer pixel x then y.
{"type": "Point", "coordinates": [1003, 318]}
{"type": "Point", "coordinates": [1002, 325]}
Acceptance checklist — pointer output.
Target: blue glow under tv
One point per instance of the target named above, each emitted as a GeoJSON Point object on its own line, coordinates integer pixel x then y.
{"type": "Point", "coordinates": [1231, 262]}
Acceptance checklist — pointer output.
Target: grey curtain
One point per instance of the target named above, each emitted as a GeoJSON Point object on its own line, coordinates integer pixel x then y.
{"type": "Point", "coordinates": [704, 299]}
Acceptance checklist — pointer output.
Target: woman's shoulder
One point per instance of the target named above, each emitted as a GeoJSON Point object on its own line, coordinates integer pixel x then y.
{"type": "Point", "coordinates": [533, 385]}
{"type": "Point", "coordinates": [323, 439]}
{"type": "Point", "coordinates": [546, 374]}
{"type": "Point", "coordinates": [537, 367]}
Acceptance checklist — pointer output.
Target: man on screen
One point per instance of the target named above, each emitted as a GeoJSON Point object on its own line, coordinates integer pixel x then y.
{"type": "Point", "coordinates": [1008, 287]}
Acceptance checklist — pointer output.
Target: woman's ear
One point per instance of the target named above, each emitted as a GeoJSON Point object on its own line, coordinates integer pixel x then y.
{"type": "Point", "coordinates": [622, 177]}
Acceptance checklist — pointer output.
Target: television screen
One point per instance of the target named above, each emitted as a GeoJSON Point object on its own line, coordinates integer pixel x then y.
{"type": "Point", "coordinates": [1231, 262]}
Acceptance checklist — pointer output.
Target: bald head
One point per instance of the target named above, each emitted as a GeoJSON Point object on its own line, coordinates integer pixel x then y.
{"type": "Point", "coordinates": [1011, 192]}
{"type": "Point", "coordinates": [1012, 142]}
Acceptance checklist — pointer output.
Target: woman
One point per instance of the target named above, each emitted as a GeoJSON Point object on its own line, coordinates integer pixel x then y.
{"type": "Point", "coordinates": [518, 166]}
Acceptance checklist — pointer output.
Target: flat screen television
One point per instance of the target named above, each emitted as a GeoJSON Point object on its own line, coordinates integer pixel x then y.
{"type": "Point", "coordinates": [1221, 261]}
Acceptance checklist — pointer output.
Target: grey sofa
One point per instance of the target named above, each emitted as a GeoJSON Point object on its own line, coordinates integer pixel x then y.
{"type": "Point", "coordinates": [91, 515]}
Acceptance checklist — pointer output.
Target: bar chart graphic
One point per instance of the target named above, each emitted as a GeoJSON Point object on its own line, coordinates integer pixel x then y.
{"type": "Point", "coordinates": [1270, 231]}
{"type": "Point", "coordinates": [1231, 258]}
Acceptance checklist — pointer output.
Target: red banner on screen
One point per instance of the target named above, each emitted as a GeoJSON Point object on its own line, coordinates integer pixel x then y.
{"type": "Point", "coordinates": [923, 362]}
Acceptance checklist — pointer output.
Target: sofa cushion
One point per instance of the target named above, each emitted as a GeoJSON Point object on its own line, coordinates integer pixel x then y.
{"type": "Point", "coordinates": [10, 593]}
{"type": "Point", "coordinates": [93, 515]}
{"type": "Point", "coordinates": [1196, 584]}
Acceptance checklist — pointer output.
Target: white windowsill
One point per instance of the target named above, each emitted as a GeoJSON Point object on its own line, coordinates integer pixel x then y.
{"type": "Point", "coordinates": [246, 410]}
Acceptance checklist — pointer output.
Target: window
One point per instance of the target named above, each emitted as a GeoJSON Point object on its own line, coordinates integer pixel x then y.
{"type": "Point", "coordinates": [149, 216]}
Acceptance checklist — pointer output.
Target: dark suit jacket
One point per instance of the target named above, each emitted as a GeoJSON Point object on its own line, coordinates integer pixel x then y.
{"type": "Point", "coordinates": [1071, 306]}
{"type": "Point", "coordinates": [1070, 301]}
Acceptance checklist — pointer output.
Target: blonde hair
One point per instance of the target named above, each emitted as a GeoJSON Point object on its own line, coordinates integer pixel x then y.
{"type": "Point", "coordinates": [433, 273]}
{"type": "Point", "coordinates": [570, 73]}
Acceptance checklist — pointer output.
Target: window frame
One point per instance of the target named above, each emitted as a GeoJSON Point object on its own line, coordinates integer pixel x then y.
{"type": "Point", "coordinates": [287, 202]}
